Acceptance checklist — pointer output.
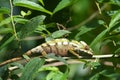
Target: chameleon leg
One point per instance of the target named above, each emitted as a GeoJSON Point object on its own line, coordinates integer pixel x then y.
{"type": "Point", "coordinates": [74, 53]}
{"type": "Point", "coordinates": [44, 53]}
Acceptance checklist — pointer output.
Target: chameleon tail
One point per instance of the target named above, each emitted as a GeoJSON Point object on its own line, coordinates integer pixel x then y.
{"type": "Point", "coordinates": [37, 49]}
{"type": "Point", "coordinates": [10, 61]}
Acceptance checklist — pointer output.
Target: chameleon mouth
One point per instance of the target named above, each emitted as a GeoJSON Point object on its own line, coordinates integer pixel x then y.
{"type": "Point", "coordinates": [84, 53]}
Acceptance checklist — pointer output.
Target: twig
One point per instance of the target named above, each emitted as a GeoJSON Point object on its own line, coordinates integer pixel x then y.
{"type": "Point", "coordinates": [61, 63]}
{"type": "Point", "coordinates": [104, 56]}
{"type": "Point", "coordinates": [98, 6]}
{"type": "Point", "coordinates": [12, 20]}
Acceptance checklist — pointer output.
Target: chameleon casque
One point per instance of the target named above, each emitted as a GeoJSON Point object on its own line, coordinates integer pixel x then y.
{"type": "Point", "coordinates": [60, 47]}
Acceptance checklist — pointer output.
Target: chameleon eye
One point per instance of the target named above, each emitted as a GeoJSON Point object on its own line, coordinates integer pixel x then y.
{"type": "Point", "coordinates": [84, 45]}
{"type": "Point", "coordinates": [86, 48]}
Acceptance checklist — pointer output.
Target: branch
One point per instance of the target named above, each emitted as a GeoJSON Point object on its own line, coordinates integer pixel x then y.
{"type": "Point", "coordinates": [105, 56]}
{"type": "Point", "coordinates": [107, 63]}
{"type": "Point", "coordinates": [73, 61]}
{"type": "Point", "coordinates": [50, 60]}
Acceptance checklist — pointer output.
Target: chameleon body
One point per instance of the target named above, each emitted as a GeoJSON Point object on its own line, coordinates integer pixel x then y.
{"type": "Point", "coordinates": [62, 47]}
{"type": "Point", "coordinates": [59, 47]}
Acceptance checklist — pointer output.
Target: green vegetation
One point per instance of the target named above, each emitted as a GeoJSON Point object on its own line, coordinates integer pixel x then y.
{"type": "Point", "coordinates": [24, 24]}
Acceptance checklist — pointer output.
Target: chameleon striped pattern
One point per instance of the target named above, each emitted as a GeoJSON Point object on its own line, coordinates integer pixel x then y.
{"type": "Point", "coordinates": [61, 47]}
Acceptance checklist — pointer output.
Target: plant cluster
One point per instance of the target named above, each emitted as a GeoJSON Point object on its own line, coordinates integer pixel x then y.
{"type": "Point", "coordinates": [25, 24]}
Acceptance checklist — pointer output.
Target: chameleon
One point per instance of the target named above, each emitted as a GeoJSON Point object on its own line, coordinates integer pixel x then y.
{"type": "Point", "coordinates": [60, 47]}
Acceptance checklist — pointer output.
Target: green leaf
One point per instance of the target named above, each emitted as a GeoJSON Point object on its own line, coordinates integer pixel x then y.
{"type": "Point", "coordinates": [5, 30]}
{"type": "Point", "coordinates": [95, 77]}
{"type": "Point", "coordinates": [100, 1]}
{"type": "Point", "coordinates": [101, 22]}
{"type": "Point", "coordinates": [54, 76]}
{"type": "Point", "coordinates": [8, 20]}
{"type": "Point", "coordinates": [93, 65]}
{"type": "Point", "coordinates": [41, 1]}
{"type": "Point", "coordinates": [25, 13]}
{"type": "Point", "coordinates": [6, 41]}
{"type": "Point", "coordinates": [117, 51]}
{"type": "Point", "coordinates": [4, 10]}
{"type": "Point", "coordinates": [20, 66]}
{"type": "Point", "coordinates": [57, 58]}
{"type": "Point", "coordinates": [49, 39]}
{"type": "Point", "coordinates": [26, 57]}
{"type": "Point", "coordinates": [51, 25]}
{"type": "Point", "coordinates": [60, 33]}
{"type": "Point", "coordinates": [98, 38]}
{"type": "Point", "coordinates": [62, 4]}
{"type": "Point", "coordinates": [115, 2]}
{"type": "Point", "coordinates": [31, 26]}
{"type": "Point", "coordinates": [42, 28]}
{"type": "Point", "coordinates": [30, 5]}
{"type": "Point", "coordinates": [5, 21]}
{"type": "Point", "coordinates": [20, 20]}
{"type": "Point", "coordinates": [31, 69]}
{"type": "Point", "coordinates": [55, 73]}
{"type": "Point", "coordinates": [65, 75]}
{"type": "Point", "coordinates": [115, 19]}
{"type": "Point", "coordinates": [83, 30]}
{"type": "Point", "coordinates": [1, 78]}
{"type": "Point", "coordinates": [50, 68]}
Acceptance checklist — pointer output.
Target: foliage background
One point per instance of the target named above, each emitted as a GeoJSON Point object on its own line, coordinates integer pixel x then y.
{"type": "Point", "coordinates": [25, 24]}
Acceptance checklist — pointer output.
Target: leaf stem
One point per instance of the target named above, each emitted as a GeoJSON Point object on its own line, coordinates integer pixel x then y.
{"type": "Point", "coordinates": [12, 20]}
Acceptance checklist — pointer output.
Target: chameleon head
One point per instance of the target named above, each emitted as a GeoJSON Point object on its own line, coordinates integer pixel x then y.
{"type": "Point", "coordinates": [83, 49]}
{"type": "Point", "coordinates": [86, 48]}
